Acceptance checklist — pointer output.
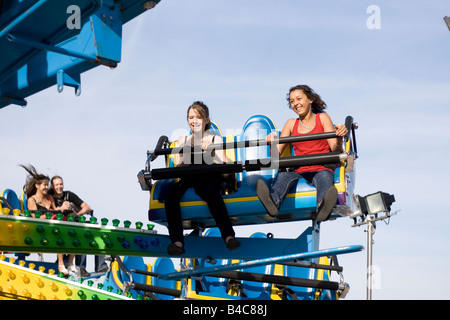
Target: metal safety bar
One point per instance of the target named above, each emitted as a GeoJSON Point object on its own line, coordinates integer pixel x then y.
{"type": "Point", "coordinates": [249, 165]}
{"type": "Point", "coordinates": [141, 286]}
{"type": "Point", "coordinates": [145, 176]}
{"type": "Point", "coordinates": [257, 277]}
{"type": "Point", "coordinates": [249, 143]}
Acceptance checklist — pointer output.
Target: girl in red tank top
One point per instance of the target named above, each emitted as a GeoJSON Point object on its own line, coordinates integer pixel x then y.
{"type": "Point", "coordinates": [302, 100]}
{"type": "Point", "coordinates": [310, 147]}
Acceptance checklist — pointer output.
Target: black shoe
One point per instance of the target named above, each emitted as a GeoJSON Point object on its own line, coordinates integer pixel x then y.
{"type": "Point", "coordinates": [84, 273]}
{"type": "Point", "coordinates": [103, 270]}
{"type": "Point", "coordinates": [327, 204]}
{"type": "Point", "coordinates": [233, 243]}
{"type": "Point", "coordinates": [263, 192]}
{"type": "Point", "coordinates": [175, 250]}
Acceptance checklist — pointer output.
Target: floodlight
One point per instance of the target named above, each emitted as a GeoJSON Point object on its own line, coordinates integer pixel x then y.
{"type": "Point", "coordinates": [447, 22]}
{"type": "Point", "coordinates": [359, 205]}
{"type": "Point", "coordinates": [379, 202]}
{"type": "Point", "coordinates": [146, 185]}
{"type": "Point", "coordinates": [148, 5]}
{"type": "Point", "coordinates": [368, 208]}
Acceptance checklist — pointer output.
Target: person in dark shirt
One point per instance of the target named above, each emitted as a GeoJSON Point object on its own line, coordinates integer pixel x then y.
{"type": "Point", "coordinates": [206, 187]}
{"type": "Point", "coordinates": [78, 207]}
{"type": "Point", "coordinates": [67, 199]}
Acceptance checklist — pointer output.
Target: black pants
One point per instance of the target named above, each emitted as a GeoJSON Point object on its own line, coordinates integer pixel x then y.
{"type": "Point", "coordinates": [209, 191]}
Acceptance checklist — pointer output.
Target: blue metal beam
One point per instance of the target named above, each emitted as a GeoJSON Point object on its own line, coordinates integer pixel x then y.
{"type": "Point", "coordinates": [260, 262]}
{"type": "Point", "coordinates": [37, 54]}
{"type": "Point", "coordinates": [22, 17]}
{"type": "Point", "coordinates": [64, 51]}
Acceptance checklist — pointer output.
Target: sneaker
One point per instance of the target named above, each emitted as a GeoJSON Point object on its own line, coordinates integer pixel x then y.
{"type": "Point", "coordinates": [84, 273]}
{"type": "Point", "coordinates": [327, 204]}
{"type": "Point", "coordinates": [233, 243]}
{"type": "Point", "coordinates": [62, 269]}
{"type": "Point", "coordinates": [175, 250]}
{"type": "Point", "coordinates": [102, 270]}
{"type": "Point", "coordinates": [263, 192]}
{"type": "Point", "coordinates": [71, 268]}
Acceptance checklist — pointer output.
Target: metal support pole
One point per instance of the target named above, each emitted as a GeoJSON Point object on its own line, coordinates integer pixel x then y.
{"type": "Point", "coordinates": [370, 232]}
{"type": "Point", "coordinates": [370, 207]}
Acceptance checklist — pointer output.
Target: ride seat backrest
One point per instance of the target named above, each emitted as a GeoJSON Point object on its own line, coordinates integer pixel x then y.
{"type": "Point", "coordinates": [163, 266]}
{"type": "Point", "coordinates": [299, 272]}
{"type": "Point", "coordinates": [257, 127]}
{"type": "Point", "coordinates": [12, 199]}
{"type": "Point", "coordinates": [213, 285]}
{"type": "Point", "coordinates": [136, 263]}
{"type": "Point", "coordinates": [254, 289]}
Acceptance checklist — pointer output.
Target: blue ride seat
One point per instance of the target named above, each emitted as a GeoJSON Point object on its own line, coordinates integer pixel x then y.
{"type": "Point", "coordinates": [243, 205]}
{"type": "Point", "coordinates": [136, 263]}
{"type": "Point", "coordinates": [257, 127]}
{"type": "Point", "coordinates": [304, 293]}
{"type": "Point", "coordinates": [307, 244]}
{"type": "Point", "coordinates": [295, 292]}
{"type": "Point", "coordinates": [324, 275]}
{"type": "Point", "coordinates": [163, 266]}
{"type": "Point", "coordinates": [16, 203]}
{"type": "Point", "coordinates": [11, 198]}
{"type": "Point", "coordinates": [208, 287]}
{"type": "Point", "coordinates": [257, 290]}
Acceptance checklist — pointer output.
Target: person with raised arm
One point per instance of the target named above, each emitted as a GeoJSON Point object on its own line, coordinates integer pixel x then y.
{"type": "Point", "coordinates": [308, 106]}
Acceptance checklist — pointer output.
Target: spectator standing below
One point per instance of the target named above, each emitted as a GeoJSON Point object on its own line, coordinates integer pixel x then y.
{"type": "Point", "coordinates": [78, 208]}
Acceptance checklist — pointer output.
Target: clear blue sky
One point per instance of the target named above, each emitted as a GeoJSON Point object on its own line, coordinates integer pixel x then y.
{"type": "Point", "coordinates": [240, 58]}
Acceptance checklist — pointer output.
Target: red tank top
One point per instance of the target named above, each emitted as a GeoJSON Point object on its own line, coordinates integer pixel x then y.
{"type": "Point", "coordinates": [310, 147]}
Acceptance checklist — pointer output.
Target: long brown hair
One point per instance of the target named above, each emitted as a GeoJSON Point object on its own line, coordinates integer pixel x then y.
{"type": "Point", "coordinates": [202, 110]}
{"type": "Point", "coordinates": [33, 178]}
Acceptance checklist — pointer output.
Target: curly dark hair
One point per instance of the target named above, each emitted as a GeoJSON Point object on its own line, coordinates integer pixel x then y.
{"type": "Point", "coordinates": [317, 104]}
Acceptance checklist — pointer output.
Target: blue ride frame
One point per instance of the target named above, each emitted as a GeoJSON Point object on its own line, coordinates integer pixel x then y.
{"type": "Point", "coordinates": [39, 50]}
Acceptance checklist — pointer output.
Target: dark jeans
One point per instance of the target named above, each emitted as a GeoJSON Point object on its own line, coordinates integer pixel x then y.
{"type": "Point", "coordinates": [284, 182]}
{"type": "Point", "coordinates": [80, 261]}
{"type": "Point", "coordinates": [209, 191]}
